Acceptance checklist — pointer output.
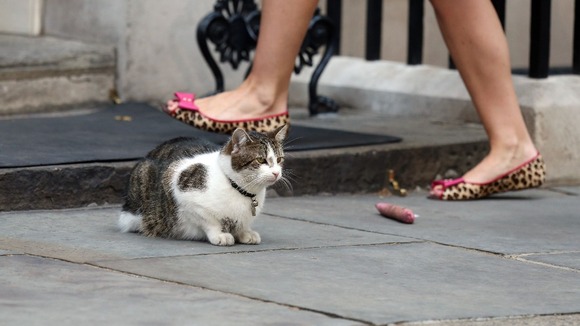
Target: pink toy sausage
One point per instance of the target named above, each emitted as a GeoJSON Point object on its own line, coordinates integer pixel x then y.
{"type": "Point", "coordinates": [395, 212]}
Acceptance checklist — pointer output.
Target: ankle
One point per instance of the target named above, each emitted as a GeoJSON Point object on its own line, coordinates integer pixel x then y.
{"type": "Point", "coordinates": [266, 95]}
{"type": "Point", "coordinates": [513, 148]}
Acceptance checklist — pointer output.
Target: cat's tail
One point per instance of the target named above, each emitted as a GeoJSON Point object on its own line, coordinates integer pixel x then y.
{"type": "Point", "coordinates": [129, 222]}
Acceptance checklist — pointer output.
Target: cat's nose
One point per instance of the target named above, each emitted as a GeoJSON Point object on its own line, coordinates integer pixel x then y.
{"type": "Point", "coordinates": [276, 174]}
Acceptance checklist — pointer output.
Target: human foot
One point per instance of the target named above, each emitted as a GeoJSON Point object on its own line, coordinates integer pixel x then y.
{"type": "Point", "coordinates": [499, 161]}
{"type": "Point", "coordinates": [529, 174]}
{"type": "Point", "coordinates": [248, 101]}
{"type": "Point", "coordinates": [184, 107]}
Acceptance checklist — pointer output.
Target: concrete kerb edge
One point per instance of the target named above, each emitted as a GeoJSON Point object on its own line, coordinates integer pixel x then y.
{"type": "Point", "coordinates": [360, 171]}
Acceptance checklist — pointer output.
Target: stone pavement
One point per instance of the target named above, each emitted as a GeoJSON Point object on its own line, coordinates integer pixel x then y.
{"type": "Point", "coordinates": [513, 259]}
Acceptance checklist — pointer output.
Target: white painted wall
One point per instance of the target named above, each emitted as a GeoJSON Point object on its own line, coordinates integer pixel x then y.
{"type": "Point", "coordinates": [93, 21]}
{"type": "Point", "coordinates": [20, 16]}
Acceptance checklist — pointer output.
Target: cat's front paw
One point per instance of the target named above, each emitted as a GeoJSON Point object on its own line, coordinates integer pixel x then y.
{"type": "Point", "coordinates": [222, 239]}
{"type": "Point", "coordinates": [249, 237]}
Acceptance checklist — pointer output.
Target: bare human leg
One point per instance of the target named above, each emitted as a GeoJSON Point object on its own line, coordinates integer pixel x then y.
{"type": "Point", "coordinates": [476, 41]}
{"type": "Point", "coordinates": [265, 91]}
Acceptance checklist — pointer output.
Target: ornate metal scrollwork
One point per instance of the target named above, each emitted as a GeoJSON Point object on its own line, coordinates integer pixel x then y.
{"type": "Point", "coordinates": [233, 29]}
{"type": "Point", "coordinates": [321, 32]}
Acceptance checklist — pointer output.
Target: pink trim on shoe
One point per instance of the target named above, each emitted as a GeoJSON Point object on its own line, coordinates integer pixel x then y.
{"type": "Point", "coordinates": [186, 101]}
{"type": "Point", "coordinates": [447, 182]}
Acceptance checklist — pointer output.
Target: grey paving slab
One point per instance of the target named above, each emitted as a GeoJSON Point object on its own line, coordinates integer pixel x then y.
{"type": "Point", "coordinates": [90, 234]}
{"type": "Point", "coordinates": [569, 259]}
{"type": "Point", "coordinates": [40, 291]}
{"type": "Point", "coordinates": [570, 189]}
{"type": "Point", "coordinates": [531, 221]}
{"type": "Point", "coordinates": [7, 252]}
{"type": "Point", "coordinates": [557, 320]}
{"type": "Point", "coordinates": [381, 283]}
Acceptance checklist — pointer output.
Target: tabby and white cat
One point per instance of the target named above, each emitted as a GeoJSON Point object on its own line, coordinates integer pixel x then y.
{"type": "Point", "coordinates": [189, 189]}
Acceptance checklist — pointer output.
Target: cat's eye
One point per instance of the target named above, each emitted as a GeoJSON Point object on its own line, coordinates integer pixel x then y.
{"type": "Point", "coordinates": [280, 160]}
{"type": "Point", "coordinates": [260, 160]}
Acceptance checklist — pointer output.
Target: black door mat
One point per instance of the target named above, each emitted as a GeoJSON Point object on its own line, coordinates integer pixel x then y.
{"type": "Point", "coordinates": [127, 132]}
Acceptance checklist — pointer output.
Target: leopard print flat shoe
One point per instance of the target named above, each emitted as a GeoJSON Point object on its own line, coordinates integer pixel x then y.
{"type": "Point", "coordinates": [187, 112]}
{"type": "Point", "coordinates": [531, 174]}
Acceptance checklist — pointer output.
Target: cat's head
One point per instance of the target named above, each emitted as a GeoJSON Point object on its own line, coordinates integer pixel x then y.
{"type": "Point", "coordinates": [256, 158]}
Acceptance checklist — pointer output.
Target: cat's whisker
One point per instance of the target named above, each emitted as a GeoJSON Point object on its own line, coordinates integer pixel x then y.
{"type": "Point", "coordinates": [290, 141]}
{"type": "Point", "coordinates": [250, 184]}
{"type": "Point", "coordinates": [287, 144]}
{"type": "Point", "coordinates": [289, 174]}
{"type": "Point", "coordinates": [287, 180]}
{"type": "Point", "coordinates": [286, 183]}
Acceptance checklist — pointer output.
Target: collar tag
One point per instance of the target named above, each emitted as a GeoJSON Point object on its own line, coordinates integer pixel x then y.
{"type": "Point", "coordinates": [254, 202]}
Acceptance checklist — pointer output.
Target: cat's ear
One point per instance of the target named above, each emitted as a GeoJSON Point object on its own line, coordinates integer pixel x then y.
{"type": "Point", "coordinates": [239, 138]}
{"type": "Point", "coordinates": [280, 133]}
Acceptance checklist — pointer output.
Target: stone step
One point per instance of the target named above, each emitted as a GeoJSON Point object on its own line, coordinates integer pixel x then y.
{"type": "Point", "coordinates": [429, 150]}
{"type": "Point", "coordinates": [45, 74]}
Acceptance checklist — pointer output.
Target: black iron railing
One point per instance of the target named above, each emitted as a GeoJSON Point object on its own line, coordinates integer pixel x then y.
{"type": "Point", "coordinates": [539, 32]}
